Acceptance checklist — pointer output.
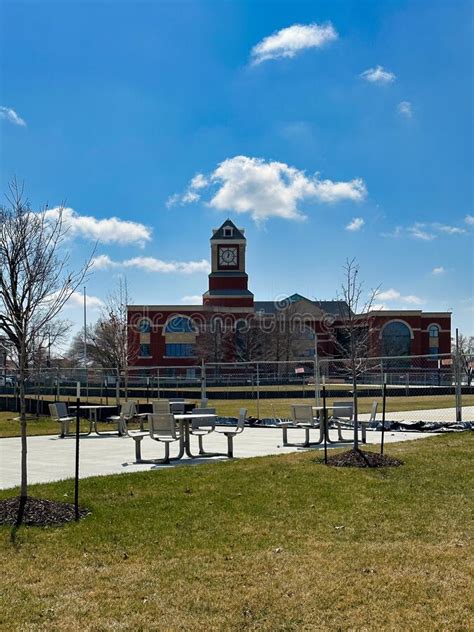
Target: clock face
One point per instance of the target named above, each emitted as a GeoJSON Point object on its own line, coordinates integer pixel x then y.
{"type": "Point", "coordinates": [228, 257]}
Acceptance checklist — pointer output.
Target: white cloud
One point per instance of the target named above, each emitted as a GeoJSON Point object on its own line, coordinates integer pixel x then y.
{"type": "Point", "coordinates": [469, 219]}
{"type": "Point", "coordinates": [378, 75]}
{"type": "Point", "coordinates": [77, 300]}
{"type": "Point", "coordinates": [195, 299]}
{"type": "Point", "coordinates": [405, 108]}
{"type": "Point", "coordinates": [151, 264]}
{"type": "Point", "coordinates": [106, 231]}
{"type": "Point", "coordinates": [199, 181]}
{"type": "Point", "coordinates": [103, 262]}
{"type": "Point", "coordinates": [417, 231]}
{"type": "Point", "coordinates": [270, 189]}
{"type": "Point", "coordinates": [191, 194]}
{"type": "Point", "coordinates": [11, 116]}
{"type": "Point", "coordinates": [437, 271]}
{"type": "Point", "coordinates": [425, 231]}
{"type": "Point", "coordinates": [412, 299]}
{"type": "Point", "coordinates": [394, 295]}
{"type": "Point", "coordinates": [355, 224]}
{"type": "Point", "coordinates": [450, 230]}
{"type": "Point", "coordinates": [290, 41]}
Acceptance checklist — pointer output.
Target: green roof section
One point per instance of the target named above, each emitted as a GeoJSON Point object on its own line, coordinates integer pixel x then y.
{"type": "Point", "coordinates": [234, 233]}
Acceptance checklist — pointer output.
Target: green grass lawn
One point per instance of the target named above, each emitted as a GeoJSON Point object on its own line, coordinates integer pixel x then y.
{"type": "Point", "coordinates": [273, 543]}
{"type": "Point", "coordinates": [280, 407]}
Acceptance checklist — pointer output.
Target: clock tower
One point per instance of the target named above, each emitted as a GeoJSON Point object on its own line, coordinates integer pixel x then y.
{"type": "Point", "coordinates": [228, 281]}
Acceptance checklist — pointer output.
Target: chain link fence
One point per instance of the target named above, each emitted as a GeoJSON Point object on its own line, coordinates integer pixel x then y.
{"type": "Point", "coordinates": [419, 389]}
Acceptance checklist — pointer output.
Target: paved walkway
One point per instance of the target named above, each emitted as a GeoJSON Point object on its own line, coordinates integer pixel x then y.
{"type": "Point", "coordinates": [52, 459]}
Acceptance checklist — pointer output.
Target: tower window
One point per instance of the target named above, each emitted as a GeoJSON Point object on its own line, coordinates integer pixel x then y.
{"type": "Point", "coordinates": [228, 231]}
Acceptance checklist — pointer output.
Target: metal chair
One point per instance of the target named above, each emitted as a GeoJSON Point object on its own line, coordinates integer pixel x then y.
{"type": "Point", "coordinates": [302, 415]}
{"type": "Point", "coordinates": [161, 428]}
{"type": "Point", "coordinates": [177, 406]}
{"type": "Point", "coordinates": [160, 406]}
{"type": "Point", "coordinates": [345, 416]}
{"type": "Point", "coordinates": [202, 426]}
{"type": "Point", "coordinates": [128, 410]}
{"type": "Point", "coordinates": [59, 413]}
{"type": "Point", "coordinates": [231, 432]}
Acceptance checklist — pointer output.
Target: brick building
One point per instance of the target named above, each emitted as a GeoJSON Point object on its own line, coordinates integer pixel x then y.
{"type": "Point", "coordinates": [224, 327]}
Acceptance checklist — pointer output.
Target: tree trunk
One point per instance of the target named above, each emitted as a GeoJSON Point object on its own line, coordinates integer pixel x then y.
{"type": "Point", "coordinates": [356, 416]}
{"type": "Point", "coordinates": [24, 452]}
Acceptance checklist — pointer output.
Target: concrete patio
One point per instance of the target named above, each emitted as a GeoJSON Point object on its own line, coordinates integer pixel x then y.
{"type": "Point", "coordinates": [51, 458]}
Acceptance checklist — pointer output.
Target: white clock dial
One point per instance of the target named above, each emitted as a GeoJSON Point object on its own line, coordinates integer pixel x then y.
{"type": "Point", "coordinates": [228, 256]}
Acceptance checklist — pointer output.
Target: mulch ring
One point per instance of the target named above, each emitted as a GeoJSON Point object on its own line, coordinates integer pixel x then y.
{"type": "Point", "coordinates": [359, 458]}
{"type": "Point", "coordinates": [38, 512]}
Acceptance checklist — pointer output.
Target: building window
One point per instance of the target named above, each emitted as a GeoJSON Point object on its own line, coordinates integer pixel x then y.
{"type": "Point", "coordinates": [144, 326]}
{"type": "Point", "coordinates": [228, 231]}
{"type": "Point", "coordinates": [180, 325]}
{"type": "Point", "coordinates": [145, 351]}
{"type": "Point", "coordinates": [179, 350]}
{"type": "Point", "coordinates": [433, 332]}
{"type": "Point", "coordinates": [396, 339]}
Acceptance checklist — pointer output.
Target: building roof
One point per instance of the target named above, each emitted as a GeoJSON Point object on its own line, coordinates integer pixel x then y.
{"type": "Point", "coordinates": [336, 308]}
{"type": "Point", "coordinates": [237, 233]}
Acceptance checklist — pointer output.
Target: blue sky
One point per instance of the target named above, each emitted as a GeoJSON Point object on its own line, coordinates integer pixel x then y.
{"type": "Point", "coordinates": [327, 129]}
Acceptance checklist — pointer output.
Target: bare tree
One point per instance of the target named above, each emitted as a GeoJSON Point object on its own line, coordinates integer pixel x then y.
{"type": "Point", "coordinates": [215, 340]}
{"type": "Point", "coordinates": [289, 333]}
{"type": "Point", "coordinates": [352, 334]}
{"type": "Point", "coordinates": [465, 351]}
{"type": "Point", "coordinates": [107, 343]}
{"type": "Point", "coordinates": [35, 284]}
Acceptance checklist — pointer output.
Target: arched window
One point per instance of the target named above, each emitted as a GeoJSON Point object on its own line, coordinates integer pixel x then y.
{"type": "Point", "coordinates": [180, 337]}
{"type": "Point", "coordinates": [434, 331]}
{"type": "Point", "coordinates": [180, 325]}
{"type": "Point", "coordinates": [144, 326]}
{"type": "Point", "coordinates": [396, 339]}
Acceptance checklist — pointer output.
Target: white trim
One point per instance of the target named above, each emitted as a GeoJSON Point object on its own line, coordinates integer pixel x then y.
{"type": "Point", "coordinates": [434, 325]}
{"type": "Point", "coordinates": [397, 320]}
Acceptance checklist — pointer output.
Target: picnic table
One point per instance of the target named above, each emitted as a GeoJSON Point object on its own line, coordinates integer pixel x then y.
{"type": "Point", "coordinates": [184, 422]}
{"type": "Point", "coordinates": [92, 408]}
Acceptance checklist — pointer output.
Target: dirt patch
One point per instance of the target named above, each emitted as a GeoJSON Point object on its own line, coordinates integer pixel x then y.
{"type": "Point", "coordinates": [359, 458]}
{"type": "Point", "coordinates": [38, 512]}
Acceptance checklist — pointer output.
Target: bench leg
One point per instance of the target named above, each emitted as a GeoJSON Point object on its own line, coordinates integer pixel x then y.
{"type": "Point", "coordinates": [364, 435]}
{"type": "Point", "coordinates": [285, 435]}
{"type": "Point", "coordinates": [138, 448]}
{"type": "Point", "coordinates": [201, 447]}
{"type": "Point", "coordinates": [230, 446]}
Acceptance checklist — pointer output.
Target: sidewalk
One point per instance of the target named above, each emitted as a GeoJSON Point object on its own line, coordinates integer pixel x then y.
{"type": "Point", "coordinates": [52, 459]}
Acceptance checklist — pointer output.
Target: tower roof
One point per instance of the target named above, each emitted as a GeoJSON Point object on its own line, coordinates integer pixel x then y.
{"type": "Point", "coordinates": [232, 231]}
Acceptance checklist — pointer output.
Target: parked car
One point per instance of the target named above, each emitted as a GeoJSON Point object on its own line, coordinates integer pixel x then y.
{"type": "Point", "coordinates": [8, 380]}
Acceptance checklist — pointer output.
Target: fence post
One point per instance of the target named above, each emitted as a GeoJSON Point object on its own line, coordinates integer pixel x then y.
{"type": "Point", "coordinates": [316, 371]}
{"type": "Point", "coordinates": [457, 374]}
{"type": "Point", "coordinates": [203, 382]}
{"type": "Point", "coordinates": [384, 403]}
{"type": "Point", "coordinates": [117, 389]}
{"type": "Point", "coordinates": [258, 391]}
{"type": "Point", "coordinates": [325, 423]}
{"type": "Point", "coordinates": [158, 383]}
